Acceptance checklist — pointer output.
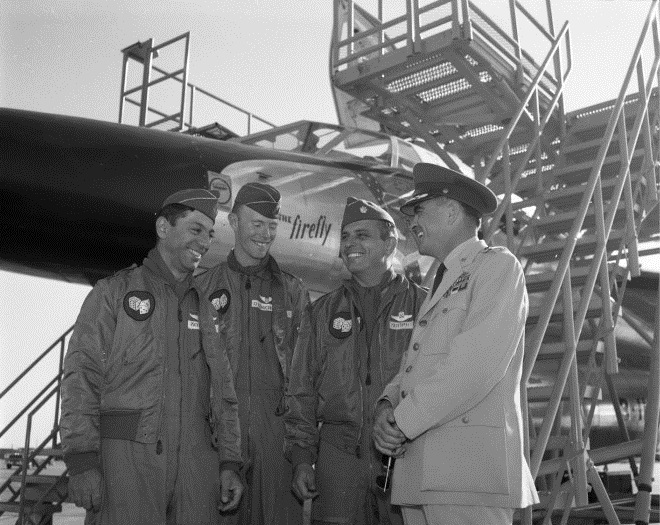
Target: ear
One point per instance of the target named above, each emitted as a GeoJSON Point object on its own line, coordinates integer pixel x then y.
{"type": "Point", "coordinates": [162, 227]}
{"type": "Point", "coordinates": [455, 212]}
{"type": "Point", "coordinates": [391, 243]}
{"type": "Point", "coordinates": [233, 221]}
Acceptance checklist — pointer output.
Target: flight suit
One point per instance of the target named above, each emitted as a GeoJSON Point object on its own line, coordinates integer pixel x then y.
{"type": "Point", "coordinates": [142, 362]}
{"type": "Point", "coordinates": [349, 349]}
{"type": "Point", "coordinates": [259, 310]}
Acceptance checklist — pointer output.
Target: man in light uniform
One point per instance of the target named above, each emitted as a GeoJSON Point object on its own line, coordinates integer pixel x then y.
{"type": "Point", "coordinates": [138, 417]}
{"type": "Point", "coordinates": [259, 308]}
{"type": "Point", "coordinates": [452, 414]}
{"type": "Point", "coordinates": [350, 346]}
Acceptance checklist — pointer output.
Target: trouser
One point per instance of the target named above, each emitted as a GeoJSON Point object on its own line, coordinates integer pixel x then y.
{"type": "Point", "coordinates": [456, 515]}
{"type": "Point", "coordinates": [268, 498]}
{"type": "Point", "coordinates": [347, 490]}
{"type": "Point", "coordinates": [134, 486]}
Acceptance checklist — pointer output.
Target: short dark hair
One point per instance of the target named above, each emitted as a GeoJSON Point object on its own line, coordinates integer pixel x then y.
{"type": "Point", "coordinates": [472, 213]}
{"type": "Point", "coordinates": [173, 212]}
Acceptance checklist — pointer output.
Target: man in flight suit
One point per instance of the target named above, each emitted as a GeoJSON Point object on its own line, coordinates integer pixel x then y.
{"type": "Point", "coordinates": [350, 345]}
{"type": "Point", "coordinates": [147, 388]}
{"type": "Point", "coordinates": [259, 308]}
{"type": "Point", "coordinates": [453, 410]}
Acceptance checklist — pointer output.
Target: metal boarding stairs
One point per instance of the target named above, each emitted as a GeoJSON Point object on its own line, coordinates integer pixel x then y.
{"type": "Point", "coordinates": [30, 491]}
{"type": "Point", "coordinates": [583, 185]}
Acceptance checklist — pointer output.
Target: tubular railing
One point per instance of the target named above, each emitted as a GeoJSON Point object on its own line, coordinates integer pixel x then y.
{"type": "Point", "coordinates": [145, 54]}
{"type": "Point", "coordinates": [40, 399]}
{"type": "Point", "coordinates": [604, 218]}
{"type": "Point", "coordinates": [541, 123]}
{"type": "Point", "coordinates": [59, 344]}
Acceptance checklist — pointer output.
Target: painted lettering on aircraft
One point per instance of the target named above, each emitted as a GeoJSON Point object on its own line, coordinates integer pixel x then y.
{"type": "Point", "coordinates": [320, 229]}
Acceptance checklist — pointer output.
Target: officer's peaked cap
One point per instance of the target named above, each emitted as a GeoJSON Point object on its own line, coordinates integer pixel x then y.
{"type": "Point", "coordinates": [433, 181]}
{"type": "Point", "coordinates": [198, 199]}
{"type": "Point", "coordinates": [262, 198]}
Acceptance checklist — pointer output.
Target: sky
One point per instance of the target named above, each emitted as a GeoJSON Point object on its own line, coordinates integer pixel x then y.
{"type": "Point", "coordinates": [267, 56]}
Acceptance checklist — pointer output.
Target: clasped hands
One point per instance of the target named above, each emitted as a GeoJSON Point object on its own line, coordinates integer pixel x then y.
{"type": "Point", "coordinates": [388, 438]}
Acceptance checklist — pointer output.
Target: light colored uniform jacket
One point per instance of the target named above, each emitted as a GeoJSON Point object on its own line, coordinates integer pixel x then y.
{"type": "Point", "coordinates": [457, 394]}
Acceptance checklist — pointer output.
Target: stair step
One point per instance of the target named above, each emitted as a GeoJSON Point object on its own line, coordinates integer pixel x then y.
{"type": "Point", "coordinates": [562, 222]}
{"type": "Point", "coordinates": [551, 250]}
{"type": "Point", "coordinates": [580, 172]}
{"type": "Point", "coordinates": [40, 478]}
{"type": "Point", "coordinates": [540, 282]}
{"type": "Point", "coordinates": [43, 508]}
{"type": "Point", "coordinates": [557, 350]}
{"type": "Point", "coordinates": [569, 198]}
{"type": "Point", "coordinates": [36, 486]}
{"type": "Point", "coordinates": [594, 310]}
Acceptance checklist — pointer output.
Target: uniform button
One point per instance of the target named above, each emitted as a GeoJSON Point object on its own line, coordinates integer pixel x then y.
{"type": "Point", "coordinates": [403, 394]}
{"type": "Point", "coordinates": [465, 419]}
{"type": "Point", "coordinates": [444, 310]}
{"type": "Point", "coordinates": [416, 346]}
{"type": "Point", "coordinates": [423, 322]}
{"type": "Point", "coordinates": [409, 368]}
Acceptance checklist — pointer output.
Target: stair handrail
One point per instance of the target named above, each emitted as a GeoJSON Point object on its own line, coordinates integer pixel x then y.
{"type": "Point", "coordinates": [508, 132]}
{"type": "Point", "coordinates": [591, 186]}
{"type": "Point", "coordinates": [27, 457]}
{"type": "Point", "coordinates": [59, 340]}
{"type": "Point", "coordinates": [58, 343]}
{"type": "Point", "coordinates": [518, 61]}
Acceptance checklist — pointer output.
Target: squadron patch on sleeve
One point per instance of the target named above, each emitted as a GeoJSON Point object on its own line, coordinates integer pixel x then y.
{"type": "Point", "coordinates": [341, 325]}
{"type": "Point", "coordinates": [220, 299]}
{"type": "Point", "coordinates": [458, 285]}
{"type": "Point", "coordinates": [139, 304]}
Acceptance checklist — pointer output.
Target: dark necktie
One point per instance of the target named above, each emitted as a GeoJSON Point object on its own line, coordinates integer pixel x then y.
{"type": "Point", "coordinates": [438, 277]}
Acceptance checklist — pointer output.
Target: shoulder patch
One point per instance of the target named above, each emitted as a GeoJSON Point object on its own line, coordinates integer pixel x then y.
{"type": "Point", "coordinates": [341, 325]}
{"type": "Point", "coordinates": [220, 299]}
{"type": "Point", "coordinates": [139, 304]}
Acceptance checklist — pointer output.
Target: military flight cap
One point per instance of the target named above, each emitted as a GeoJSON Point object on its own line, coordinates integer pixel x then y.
{"type": "Point", "coordinates": [433, 181]}
{"type": "Point", "coordinates": [262, 198]}
{"type": "Point", "coordinates": [196, 198]}
{"type": "Point", "coordinates": [360, 210]}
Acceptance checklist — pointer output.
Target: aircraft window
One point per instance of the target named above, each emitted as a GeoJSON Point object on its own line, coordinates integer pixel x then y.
{"type": "Point", "coordinates": [324, 136]}
{"type": "Point", "coordinates": [408, 157]}
{"type": "Point", "coordinates": [289, 141]}
{"type": "Point", "coordinates": [365, 146]}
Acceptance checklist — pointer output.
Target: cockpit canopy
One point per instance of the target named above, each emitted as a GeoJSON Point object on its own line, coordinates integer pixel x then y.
{"type": "Point", "coordinates": [339, 142]}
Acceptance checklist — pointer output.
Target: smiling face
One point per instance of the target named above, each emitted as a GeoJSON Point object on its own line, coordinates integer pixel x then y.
{"type": "Point", "coordinates": [364, 252]}
{"type": "Point", "coordinates": [183, 244]}
{"type": "Point", "coordinates": [254, 234]}
{"type": "Point", "coordinates": [439, 225]}
{"type": "Point", "coordinates": [432, 226]}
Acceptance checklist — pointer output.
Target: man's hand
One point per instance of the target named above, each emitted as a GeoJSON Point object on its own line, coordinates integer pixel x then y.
{"type": "Point", "coordinates": [85, 489]}
{"type": "Point", "coordinates": [231, 490]}
{"type": "Point", "coordinates": [304, 482]}
{"type": "Point", "coordinates": [388, 437]}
